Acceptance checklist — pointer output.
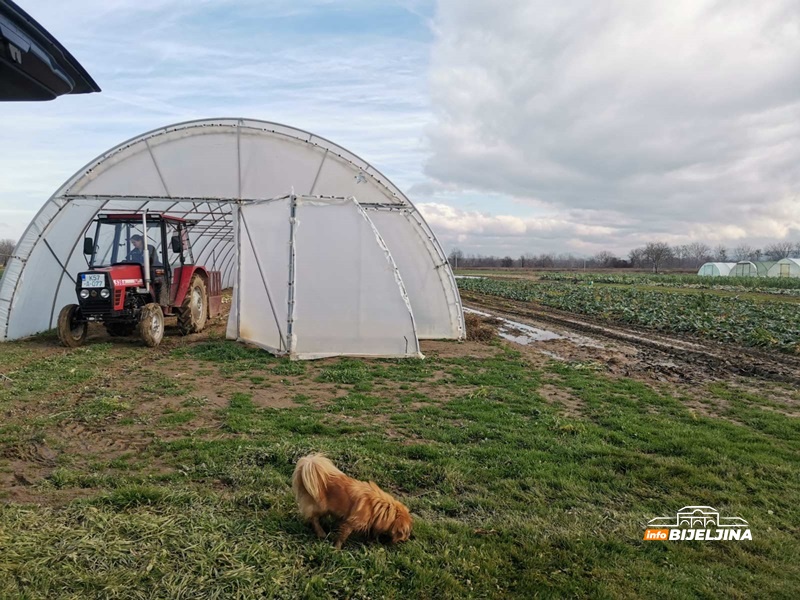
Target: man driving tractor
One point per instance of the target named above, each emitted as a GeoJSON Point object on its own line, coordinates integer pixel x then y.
{"type": "Point", "coordinates": [137, 254]}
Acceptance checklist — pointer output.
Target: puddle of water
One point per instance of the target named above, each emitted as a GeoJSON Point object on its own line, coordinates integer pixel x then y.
{"type": "Point", "coordinates": [584, 341]}
{"type": "Point", "coordinates": [468, 277]}
{"type": "Point", "coordinates": [522, 334]}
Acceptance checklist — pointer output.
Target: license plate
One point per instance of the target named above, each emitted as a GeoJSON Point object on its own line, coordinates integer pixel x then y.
{"type": "Point", "coordinates": [93, 280]}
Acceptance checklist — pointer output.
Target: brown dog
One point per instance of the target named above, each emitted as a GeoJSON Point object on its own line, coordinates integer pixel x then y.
{"type": "Point", "coordinates": [322, 489]}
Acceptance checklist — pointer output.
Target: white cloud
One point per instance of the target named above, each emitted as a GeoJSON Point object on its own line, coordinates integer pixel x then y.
{"type": "Point", "coordinates": [165, 61]}
{"type": "Point", "coordinates": [482, 230]}
{"type": "Point", "coordinates": [674, 119]}
{"type": "Point", "coordinates": [576, 126]}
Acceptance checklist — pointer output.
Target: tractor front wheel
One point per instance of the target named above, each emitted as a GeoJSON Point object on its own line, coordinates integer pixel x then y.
{"type": "Point", "coordinates": [72, 327]}
{"type": "Point", "coordinates": [151, 324]}
{"type": "Point", "coordinates": [193, 313]}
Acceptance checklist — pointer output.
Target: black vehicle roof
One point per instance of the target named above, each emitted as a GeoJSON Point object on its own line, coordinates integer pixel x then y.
{"type": "Point", "coordinates": [33, 64]}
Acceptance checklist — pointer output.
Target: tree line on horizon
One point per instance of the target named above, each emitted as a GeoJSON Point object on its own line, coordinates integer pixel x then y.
{"type": "Point", "coordinates": [6, 248]}
{"type": "Point", "coordinates": [653, 255]}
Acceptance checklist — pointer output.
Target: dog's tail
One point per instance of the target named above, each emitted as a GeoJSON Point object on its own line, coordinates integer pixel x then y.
{"type": "Point", "coordinates": [311, 474]}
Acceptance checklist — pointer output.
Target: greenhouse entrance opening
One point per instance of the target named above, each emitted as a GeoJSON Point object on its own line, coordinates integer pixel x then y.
{"type": "Point", "coordinates": [225, 175]}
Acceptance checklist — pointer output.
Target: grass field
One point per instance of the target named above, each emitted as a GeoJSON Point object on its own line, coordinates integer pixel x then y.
{"type": "Point", "coordinates": [132, 473]}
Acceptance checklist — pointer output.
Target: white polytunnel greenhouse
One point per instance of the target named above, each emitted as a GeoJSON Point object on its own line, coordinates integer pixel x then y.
{"type": "Point", "coordinates": [786, 267]}
{"type": "Point", "coordinates": [326, 256]}
{"type": "Point", "coordinates": [747, 268]}
{"type": "Point", "coordinates": [715, 269]}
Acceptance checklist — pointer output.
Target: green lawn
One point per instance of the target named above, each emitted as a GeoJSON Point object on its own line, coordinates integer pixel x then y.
{"type": "Point", "coordinates": [514, 494]}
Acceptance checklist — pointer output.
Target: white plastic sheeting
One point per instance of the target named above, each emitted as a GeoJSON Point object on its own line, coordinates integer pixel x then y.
{"type": "Point", "coordinates": [786, 267]}
{"type": "Point", "coordinates": [436, 303]}
{"type": "Point", "coordinates": [715, 269]}
{"type": "Point", "coordinates": [260, 305]}
{"type": "Point", "coordinates": [316, 279]}
{"type": "Point", "coordinates": [746, 268]}
{"type": "Point", "coordinates": [202, 170]}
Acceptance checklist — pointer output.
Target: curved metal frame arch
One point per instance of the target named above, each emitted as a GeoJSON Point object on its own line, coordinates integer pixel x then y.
{"type": "Point", "coordinates": [33, 236]}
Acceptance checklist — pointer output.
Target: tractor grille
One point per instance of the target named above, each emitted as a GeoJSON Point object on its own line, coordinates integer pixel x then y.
{"type": "Point", "coordinates": [117, 297]}
{"type": "Point", "coordinates": [96, 308]}
{"type": "Point", "coordinates": [95, 311]}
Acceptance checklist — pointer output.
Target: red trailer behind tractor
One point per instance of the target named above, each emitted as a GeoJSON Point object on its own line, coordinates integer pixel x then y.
{"type": "Point", "coordinates": [128, 288]}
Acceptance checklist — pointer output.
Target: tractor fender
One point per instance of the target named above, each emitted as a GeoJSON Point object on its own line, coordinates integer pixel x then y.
{"type": "Point", "coordinates": [181, 278]}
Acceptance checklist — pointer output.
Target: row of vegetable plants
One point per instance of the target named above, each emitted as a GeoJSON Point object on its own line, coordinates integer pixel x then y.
{"type": "Point", "coordinates": [729, 319]}
{"type": "Point", "coordinates": [769, 285]}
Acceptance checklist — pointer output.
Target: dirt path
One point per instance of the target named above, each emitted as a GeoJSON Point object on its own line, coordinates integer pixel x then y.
{"type": "Point", "coordinates": [695, 358]}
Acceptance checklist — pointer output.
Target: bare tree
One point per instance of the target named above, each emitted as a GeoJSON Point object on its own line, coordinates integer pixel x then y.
{"type": "Point", "coordinates": [797, 249]}
{"type": "Point", "coordinates": [698, 252]}
{"type": "Point", "coordinates": [636, 257]}
{"type": "Point", "coordinates": [604, 259]}
{"type": "Point", "coordinates": [721, 253]}
{"type": "Point", "coordinates": [743, 252]}
{"type": "Point", "coordinates": [779, 250]}
{"type": "Point", "coordinates": [6, 248]}
{"type": "Point", "coordinates": [545, 260]}
{"type": "Point", "coordinates": [507, 261]}
{"type": "Point", "coordinates": [656, 253]}
{"type": "Point", "coordinates": [455, 256]}
{"type": "Point", "coordinates": [565, 260]}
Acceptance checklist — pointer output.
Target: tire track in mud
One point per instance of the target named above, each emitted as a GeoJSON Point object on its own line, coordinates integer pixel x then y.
{"type": "Point", "coordinates": [691, 352]}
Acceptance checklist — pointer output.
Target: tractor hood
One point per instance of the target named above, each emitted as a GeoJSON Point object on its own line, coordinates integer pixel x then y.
{"type": "Point", "coordinates": [123, 275]}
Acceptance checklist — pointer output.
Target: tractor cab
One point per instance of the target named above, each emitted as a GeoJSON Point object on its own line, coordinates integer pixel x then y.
{"type": "Point", "coordinates": [140, 270]}
{"type": "Point", "coordinates": [118, 247]}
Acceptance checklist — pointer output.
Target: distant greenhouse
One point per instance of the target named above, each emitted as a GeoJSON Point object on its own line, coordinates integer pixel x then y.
{"type": "Point", "coordinates": [716, 269]}
{"type": "Point", "coordinates": [786, 267]}
{"type": "Point", "coordinates": [746, 268]}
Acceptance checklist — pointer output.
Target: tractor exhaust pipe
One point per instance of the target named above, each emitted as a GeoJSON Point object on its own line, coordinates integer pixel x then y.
{"type": "Point", "coordinates": [146, 252]}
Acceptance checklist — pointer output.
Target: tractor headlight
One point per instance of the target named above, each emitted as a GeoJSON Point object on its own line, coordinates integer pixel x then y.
{"type": "Point", "coordinates": [84, 294]}
{"type": "Point", "coordinates": [104, 293]}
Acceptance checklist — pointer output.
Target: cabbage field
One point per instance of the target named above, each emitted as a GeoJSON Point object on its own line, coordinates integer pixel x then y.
{"type": "Point", "coordinates": [771, 285]}
{"type": "Point", "coordinates": [768, 324]}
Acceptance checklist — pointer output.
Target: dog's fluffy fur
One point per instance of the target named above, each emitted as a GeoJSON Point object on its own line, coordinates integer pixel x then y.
{"type": "Point", "coordinates": [321, 489]}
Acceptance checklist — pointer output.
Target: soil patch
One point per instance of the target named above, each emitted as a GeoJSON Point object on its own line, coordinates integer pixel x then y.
{"type": "Point", "coordinates": [570, 405]}
{"type": "Point", "coordinates": [453, 349]}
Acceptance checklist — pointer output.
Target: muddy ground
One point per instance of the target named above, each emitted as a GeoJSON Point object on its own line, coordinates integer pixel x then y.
{"type": "Point", "coordinates": [635, 352]}
{"type": "Point", "coordinates": [683, 367]}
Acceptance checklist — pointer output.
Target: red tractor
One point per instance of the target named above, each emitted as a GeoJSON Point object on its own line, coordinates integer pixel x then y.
{"type": "Point", "coordinates": [141, 269]}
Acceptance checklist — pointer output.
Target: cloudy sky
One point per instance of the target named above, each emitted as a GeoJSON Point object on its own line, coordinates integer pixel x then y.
{"type": "Point", "coordinates": [516, 126]}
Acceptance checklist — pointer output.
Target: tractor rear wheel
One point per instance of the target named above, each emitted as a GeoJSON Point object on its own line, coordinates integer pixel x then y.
{"type": "Point", "coordinates": [120, 329]}
{"type": "Point", "coordinates": [151, 324]}
{"type": "Point", "coordinates": [72, 327]}
{"type": "Point", "coordinates": [193, 313]}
